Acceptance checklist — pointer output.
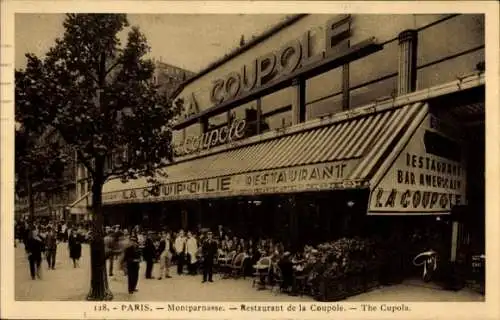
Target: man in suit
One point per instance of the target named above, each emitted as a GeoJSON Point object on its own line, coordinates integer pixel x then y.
{"type": "Point", "coordinates": [149, 253]}
{"type": "Point", "coordinates": [220, 232]}
{"type": "Point", "coordinates": [51, 245]}
{"type": "Point", "coordinates": [132, 258]}
{"type": "Point", "coordinates": [209, 251]}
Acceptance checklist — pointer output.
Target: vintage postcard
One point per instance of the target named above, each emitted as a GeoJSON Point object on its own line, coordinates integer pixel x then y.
{"type": "Point", "coordinates": [249, 159]}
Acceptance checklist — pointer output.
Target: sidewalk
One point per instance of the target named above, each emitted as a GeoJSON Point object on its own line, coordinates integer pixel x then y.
{"type": "Point", "coordinates": [69, 284]}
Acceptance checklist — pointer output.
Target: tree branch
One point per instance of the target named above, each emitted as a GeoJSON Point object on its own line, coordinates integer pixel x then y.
{"type": "Point", "coordinates": [92, 76]}
{"type": "Point", "coordinates": [106, 72]}
{"type": "Point", "coordinates": [85, 161]}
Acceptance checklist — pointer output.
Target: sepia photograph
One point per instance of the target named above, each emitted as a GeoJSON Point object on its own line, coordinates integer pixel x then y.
{"type": "Point", "coordinates": [207, 157]}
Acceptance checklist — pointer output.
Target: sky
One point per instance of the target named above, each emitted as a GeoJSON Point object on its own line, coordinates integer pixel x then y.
{"type": "Point", "coordinates": [187, 41]}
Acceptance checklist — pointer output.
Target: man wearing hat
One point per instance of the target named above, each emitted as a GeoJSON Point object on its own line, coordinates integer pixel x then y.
{"type": "Point", "coordinates": [51, 245]}
{"type": "Point", "coordinates": [132, 259]}
{"type": "Point", "coordinates": [112, 247]}
{"type": "Point", "coordinates": [209, 250]}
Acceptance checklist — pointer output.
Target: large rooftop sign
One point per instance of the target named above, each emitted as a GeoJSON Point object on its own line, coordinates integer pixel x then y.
{"type": "Point", "coordinates": [276, 69]}
{"type": "Point", "coordinates": [294, 55]}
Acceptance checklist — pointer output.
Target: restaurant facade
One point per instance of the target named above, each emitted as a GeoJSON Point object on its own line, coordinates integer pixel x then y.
{"type": "Point", "coordinates": [330, 125]}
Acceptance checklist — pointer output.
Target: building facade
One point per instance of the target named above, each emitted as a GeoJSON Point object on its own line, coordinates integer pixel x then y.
{"type": "Point", "coordinates": [51, 200]}
{"type": "Point", "coordinates": [329, 125]}
{"type": "Point", "coordinates": [169, 77]}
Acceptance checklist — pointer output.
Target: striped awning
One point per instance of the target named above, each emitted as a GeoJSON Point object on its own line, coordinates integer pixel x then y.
{"type": "Point", "coordinates": [359, 141]}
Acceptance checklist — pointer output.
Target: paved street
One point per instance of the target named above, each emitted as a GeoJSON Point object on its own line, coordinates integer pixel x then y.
{"type": "Point", "coordinates": [69, 284]}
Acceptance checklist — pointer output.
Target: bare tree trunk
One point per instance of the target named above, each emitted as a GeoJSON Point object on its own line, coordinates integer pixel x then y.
{"type": "Point", "coordinates": [99, 288]}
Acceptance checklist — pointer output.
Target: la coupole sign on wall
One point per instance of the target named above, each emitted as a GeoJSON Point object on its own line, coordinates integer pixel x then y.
{"type": "Point", "coordinates": [226, 134]}
{"type": "Point", "coordinates": [428, 177]}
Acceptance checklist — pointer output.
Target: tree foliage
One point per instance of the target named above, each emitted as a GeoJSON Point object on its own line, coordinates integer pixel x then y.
{"type": "Point", "coordinates": [43, 162]}
{"type": "Point", "coordinates": [100, 97]}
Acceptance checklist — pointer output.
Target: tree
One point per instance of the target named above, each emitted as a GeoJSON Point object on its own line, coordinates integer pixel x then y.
{"type": "Point", "coordinates": [39, 164]}
{"type": "Point", "coordinates": [100, 97]}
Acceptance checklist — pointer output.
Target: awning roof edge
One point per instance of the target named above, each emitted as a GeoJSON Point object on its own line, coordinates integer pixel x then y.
{"type": "Point", "coordinates": [77, 201]}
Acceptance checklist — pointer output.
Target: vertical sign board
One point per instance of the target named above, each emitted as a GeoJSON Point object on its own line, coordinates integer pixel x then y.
{"type": "Point", "coordinates": [427, 177]}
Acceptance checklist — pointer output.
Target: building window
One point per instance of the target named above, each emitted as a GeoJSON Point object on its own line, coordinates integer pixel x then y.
{"type": "Point", "coordinates": [324, 107]}
{"type": "Point", "coordinates": [82, 190]}
{"type": "Point", "coordinates": [276, 109]}
{"type": "Point", "coordinates": [324, 85]}
{"type": "Point", "coordinates": [364, 95]}
{"type": "Point", "coordinates": [375, 66]}
{"type": "Point", "coordinates": [193, 130]}
{"type": "Point", "coordinates": [217, 121]}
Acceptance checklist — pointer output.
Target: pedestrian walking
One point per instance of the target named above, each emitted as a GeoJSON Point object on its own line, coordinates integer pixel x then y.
{"type": "Point", "coordinates": [191, 250]}
{"type": "Point", "coordinates": [149, 254]}
{"type": "Point", "coordinates": [209, 251]}
{"type": "Point", "coordinates": [34, 248]}
{"type": "Point", "coordinates": [51, 245]}
{"type": "Point", "coordinates": [64, 232]}
{"type": "Point", "coordinates": [166, 252]}
{"type": "Point", "coordinates": [180, 251]}
{"type": "Point", "coordinates": [112, 247]}
{"type": "Point", "coordinates": [132, 259]}
{"type": "Point", "coordinates": [75, 247]}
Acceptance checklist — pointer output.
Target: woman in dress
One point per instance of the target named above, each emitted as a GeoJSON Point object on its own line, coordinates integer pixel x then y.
{"type": "Point", "coordinates": [75, 247]}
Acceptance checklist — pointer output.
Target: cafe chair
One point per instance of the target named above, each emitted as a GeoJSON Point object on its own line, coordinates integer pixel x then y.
{"type": "Point", "coordinates": [262, 271]}
{"type": "Point", "coordinates": [238, 265]}
{"type": "Point", "coordinates": [226, 264]}
{"type": "Point", "coordinates": [277, 280]}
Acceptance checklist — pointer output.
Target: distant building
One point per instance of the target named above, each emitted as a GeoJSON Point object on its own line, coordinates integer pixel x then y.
{"type": "Point", "coordinates": [169, 77]}
{"type": "Point", "coordinates": [52, 201]}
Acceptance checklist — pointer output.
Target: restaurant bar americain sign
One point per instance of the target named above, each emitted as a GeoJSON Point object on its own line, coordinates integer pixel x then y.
{"type": "Point", "coordinates": [421, 180]}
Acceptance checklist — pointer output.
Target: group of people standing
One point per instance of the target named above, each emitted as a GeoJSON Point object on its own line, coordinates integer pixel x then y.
{"type": "Point", "coordinates": [42, 240]}
{"type": "Point", "coordinates": [184, 250]}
